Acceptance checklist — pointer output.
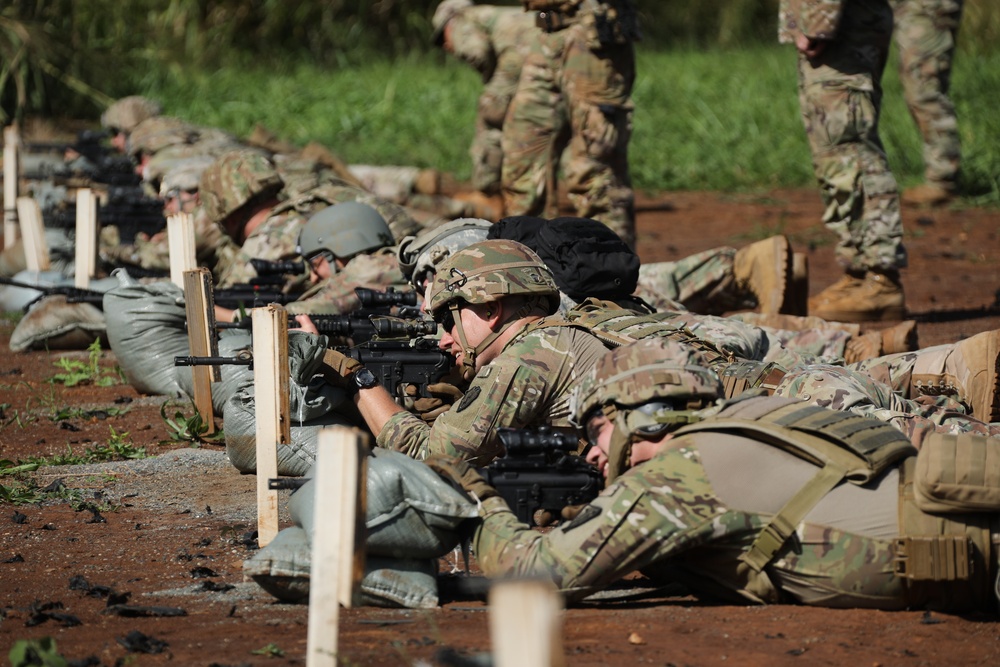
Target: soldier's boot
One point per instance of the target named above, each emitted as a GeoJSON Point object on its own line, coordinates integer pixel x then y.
{"type": "Point", "coordinates": [764, 269]}
{"type": "Point", "coordinates": [861, 298]}
{"type": "Point", "coordinates": [969, 368]}
{"type": "Point", "coordinates": [900, 338]}
{"type": "Point", "coordinates": [927, 195]}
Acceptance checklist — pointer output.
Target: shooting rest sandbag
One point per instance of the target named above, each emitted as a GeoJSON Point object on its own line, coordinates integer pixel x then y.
{"type": "Point", "coordinates": [412, 518]}
{"type": "Point", "coordinates": [54, 324]}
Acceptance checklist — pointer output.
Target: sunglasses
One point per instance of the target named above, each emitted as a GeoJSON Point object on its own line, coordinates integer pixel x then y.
{"type": "Point", "coordinates": [448, 319]}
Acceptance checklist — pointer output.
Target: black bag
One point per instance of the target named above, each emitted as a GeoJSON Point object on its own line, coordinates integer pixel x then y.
{"type": "Point", "coordinates": [586, 258]}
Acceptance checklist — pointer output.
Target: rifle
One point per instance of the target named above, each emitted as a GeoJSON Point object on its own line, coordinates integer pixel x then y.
{"type": "Point", "coordinates": [398, 362]}
{"type": "Point", "coordinates": [242, 358]}
{"type": "Point", "coordinates": [127, 207]}
{"type": "Point", "coordinates": [541, 472]}
{"type": "Point", "coordinates": [264, 288]}
{"type": "Point", "coordinates": [72, 294]}
{"type": "Point", "coordinates": [403, 304]}
{"type": "Point", "coordinates": [537, 473]}
{"type": "Point", "coordinates": [357, 326]}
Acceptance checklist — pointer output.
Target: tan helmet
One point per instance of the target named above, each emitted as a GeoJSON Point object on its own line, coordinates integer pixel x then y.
{"type": "Point", "coordinates": [485, 272]}
{"type": "Point", "coordinates": [645, 389]}
{"type": "Point", "coordinates": [344, 230]}
{"type": "Point", "coordinates": [154, 134]}
{"type": "Point", "coordinates": [420, 255]}
{"type": "Point", "coordinates": [445, 12]}
{"type": "Point", "coordinates": [125, 114]}
{"type": "Point", "coordinates": [234, 179]}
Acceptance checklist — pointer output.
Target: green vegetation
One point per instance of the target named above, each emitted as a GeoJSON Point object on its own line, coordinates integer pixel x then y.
{"type": "Point", "coordinates": [716, 106]}
{"type": "Point", "coordinates": [87, 372]}
{"type": "Point", "coordinates": [36, 652]}
{"type": "Point", "coordinates": [272, 650]}
{"type": "Point", "coordinates": [183, 428]}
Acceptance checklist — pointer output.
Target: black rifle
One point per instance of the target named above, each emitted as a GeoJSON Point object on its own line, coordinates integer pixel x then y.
{"type": "Point", "coordinates": [242, 358]}
{"type": "Point", "coordinates": [398, 362]}
{"type": "Point", "coordinates": [127, 207]}
{"type": "Point", "coordinates": [264, 288]}
{"type": "Point", "coordinates": [72, 294]}
{"type": "Point", "coordinates": [541, 472]}
{"type": "Point", "coordinates": [389, 302]}
{"type": "Point", "coordinates": [357, 326]}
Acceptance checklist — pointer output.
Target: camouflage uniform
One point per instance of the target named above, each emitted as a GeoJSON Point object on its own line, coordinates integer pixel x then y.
{"type": "Point", "coordinates": [925, 33]}
{"type": "Point", "coordinates": [580, 75]}
{"type": "Point", "coordinates": [495, 41]}
{"type": "Point", "coordinates": [335, 295]}
{"type": "Point", "coordinates": [840, 94]}
{"type": "Point", "coordinates": [764, 501]}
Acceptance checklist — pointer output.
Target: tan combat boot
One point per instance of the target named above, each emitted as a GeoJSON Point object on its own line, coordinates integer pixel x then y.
{"type": "Point", "coordinates": [764, 269]}
{"type": "Point", "coordinates": [876, 296]}
{"type": "Point", "coordinates": [900, 338]}
{"type": "Point", "coordinates": [969, 368]}
{"type": "Point", "coordinates": [927, 195]}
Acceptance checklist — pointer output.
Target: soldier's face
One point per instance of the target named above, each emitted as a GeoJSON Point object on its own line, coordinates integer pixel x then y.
{"type": "Point", "coordinates": [599, 431]}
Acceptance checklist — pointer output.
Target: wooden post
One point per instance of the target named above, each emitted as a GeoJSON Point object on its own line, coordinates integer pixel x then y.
{"type": "Point", "coordinates": [270, 378]}
{"type": "Point", "coordinates": [526, 617]}
{"type": "Point", "coordinates": [180, 240]}
{"type": "Point", "coordinates": [86, 238]}
{"type": "Point", "coordinates": [338, 555]}
{"type": "Point", "coordinates": [36, 249]}
{"type": "Point", "coordinates": [199, 304]}
{"type": "Point", "coordinates": [11, 142]}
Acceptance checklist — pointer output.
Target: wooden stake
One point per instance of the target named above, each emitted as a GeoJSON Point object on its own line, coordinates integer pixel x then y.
{"type": "Point", "coordinates": [36, 249]}
{"type": "Point", "coordinates": [180, 240]}
{"type": "Point", "coordinates": [526, 618]}
{"type": "Point", "coordinates": [86, 238]}
{"type": "Point", "coordinates": [199, 304]}
{"type": "Point", "coordinates": [338, 555]}
{"type": "Point", "coordinates": [11, 142]}
{"type": "Point", "coordinates": [270, 376]}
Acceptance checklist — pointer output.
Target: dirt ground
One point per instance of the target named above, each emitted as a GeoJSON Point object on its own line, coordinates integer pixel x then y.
{"type": "Point", "coordinates": [169, 536]}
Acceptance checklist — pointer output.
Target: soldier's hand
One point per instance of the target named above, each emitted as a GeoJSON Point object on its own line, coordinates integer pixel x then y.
{"type": "Point", "coordinates": [461, 475]}
{"type": "Point", "coordinates": [441, 397]}
{"type": "Point", "coordinates": [337, 368]}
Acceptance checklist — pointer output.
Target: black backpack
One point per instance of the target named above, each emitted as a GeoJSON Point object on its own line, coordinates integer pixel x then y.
{"type": "Point", "coordinates": [586, 258]}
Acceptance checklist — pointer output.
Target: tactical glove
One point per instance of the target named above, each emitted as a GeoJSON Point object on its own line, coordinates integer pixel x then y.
{"type": "Point", "coordinates": [462, 475]}
{"type": "Point", "coordinates": [337, 368]}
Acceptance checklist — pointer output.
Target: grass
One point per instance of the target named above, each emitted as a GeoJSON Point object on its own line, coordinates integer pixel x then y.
{"type": "Point", "coordinates": [705, 120]}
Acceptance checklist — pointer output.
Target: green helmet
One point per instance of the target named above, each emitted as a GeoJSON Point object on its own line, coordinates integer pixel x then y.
{"type": "Point", "coordinates": [154, 134]}
{"type": "Point", "coordinates": [445, 12]}
{"type": "Point", "coordinates": [645, 388]}
{"type": "Point", "coordinates": [128, 112]}
{"type": "Point", "coordinates": [344, 230]}
{"type": "Point", "coordinates": [420, 255]}
{"type": "Point", "coordinates": [234, 179]}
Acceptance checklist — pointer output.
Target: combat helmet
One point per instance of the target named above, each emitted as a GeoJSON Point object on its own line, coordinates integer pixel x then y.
{"type": "Point", "coordinates": [234, 179]}
{"type": "Point", "coordinates": [446, 11]}
{"type": "Point", "coordinates": [154, 134]}
{"type": "Point", "coordinates": [486, 272]}
{"type": "Point", "coordinates": [420, 255]}
{"type": "Point", "coordinates": [126, 113]}
{"type": "Point", "coordinates": [344, 230]}
{"type": "Point", "coordinates": [645, 389]}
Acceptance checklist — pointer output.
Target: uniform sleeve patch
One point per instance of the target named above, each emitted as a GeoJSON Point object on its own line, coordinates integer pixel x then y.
{"type": "Point", "coordinates": [469, 398]}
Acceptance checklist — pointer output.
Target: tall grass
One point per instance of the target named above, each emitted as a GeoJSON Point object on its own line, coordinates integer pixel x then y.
{"type": "Point", "coordinates": [721, 120]}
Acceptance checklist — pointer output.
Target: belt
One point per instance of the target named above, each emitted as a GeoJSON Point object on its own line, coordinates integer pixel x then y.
{"type": "Point", "coordinates": [553, 21]}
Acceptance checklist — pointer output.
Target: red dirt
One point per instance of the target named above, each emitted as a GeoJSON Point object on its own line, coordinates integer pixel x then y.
{"type": "Point", "coordinates": [159, 530]}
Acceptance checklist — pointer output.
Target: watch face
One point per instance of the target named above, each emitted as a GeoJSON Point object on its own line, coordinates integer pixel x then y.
{"type": "Point", "coordinates": [365, 379]}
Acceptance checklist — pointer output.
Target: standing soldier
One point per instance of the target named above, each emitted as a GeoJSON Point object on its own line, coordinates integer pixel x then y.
{"type": "Point", "coordinates": [925, 34]}
{"type": "Point", "coordinates": [843, 45]}
{"type": "Point", "coordinates": [495, 41]}
{"type": "Point", "coordinates": [579, 73]}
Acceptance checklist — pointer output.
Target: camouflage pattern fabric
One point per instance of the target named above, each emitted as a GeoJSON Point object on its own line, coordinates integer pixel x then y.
{"type": "Point", "coordinates": [566, 83]}
{"type": "Point", "coordinates": [234, 179]}
{"type": "Point", "coordinates": [528, 385]}
{"type": "Point", "coordinates": [841, 388]}
{"type": "Point", "coordinates": [125, 114]}
{"type": "Point", "coordinates": [274, 240]}
{"type": "Point", "coordinates": [496, 41]}
{"type": "Point", "coordinates": [335, 295]}
{"type": "Point", "coordinates": [840, 95]}
{"type": "Point", "coordinates": [702, 282]}
{"type": "Point", "coordinates": [925, 33]}
{"type": "Point", "coordinates": [665, 515]}
{"type": "Point", "coordinates": [804, 334]}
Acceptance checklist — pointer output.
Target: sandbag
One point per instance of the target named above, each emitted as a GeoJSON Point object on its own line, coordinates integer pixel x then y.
{"type": "Point", "coordinates": [146, 330]}
{"type": "Point", "coordinates": [54, 324]}
{"type": "Point", "coordinates": [282, 568]}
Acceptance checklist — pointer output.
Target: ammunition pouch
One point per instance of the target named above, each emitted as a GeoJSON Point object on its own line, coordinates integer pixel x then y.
{"type": "Point", "coordinates": [741, 376]}
{"type": "Point", "coordinates": [958, 473]}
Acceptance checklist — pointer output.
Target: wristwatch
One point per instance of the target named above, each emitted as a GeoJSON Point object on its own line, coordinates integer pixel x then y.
{"type": "Point", "coordinates": [364, 379]}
